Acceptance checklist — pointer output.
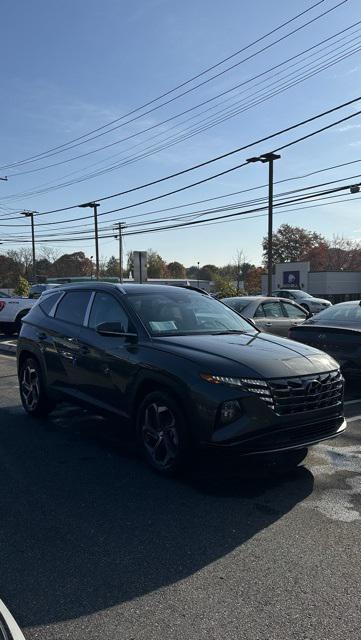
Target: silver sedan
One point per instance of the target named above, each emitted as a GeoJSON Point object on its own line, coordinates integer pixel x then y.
{"type": "Point", "coordinates": [274, 315]}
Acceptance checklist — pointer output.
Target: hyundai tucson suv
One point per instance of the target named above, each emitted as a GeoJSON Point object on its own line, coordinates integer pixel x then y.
{"type": "Point", "coordinates": [182, 368]}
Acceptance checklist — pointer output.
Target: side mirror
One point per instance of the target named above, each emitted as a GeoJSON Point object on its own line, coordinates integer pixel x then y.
{"type": "Point", "coordinates": [309, 314]}
{"type": "Point", "coordinates": [114, 329]}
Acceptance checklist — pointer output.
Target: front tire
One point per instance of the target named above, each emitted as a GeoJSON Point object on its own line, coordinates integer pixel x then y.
{"type": "Point", "coordinates": [162, 433]}
{"type": "Point", "coordinates": [33, 393]}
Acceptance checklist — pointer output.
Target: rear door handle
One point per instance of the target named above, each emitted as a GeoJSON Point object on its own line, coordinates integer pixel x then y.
{"type": "Point", "coordinates": [268, 324]}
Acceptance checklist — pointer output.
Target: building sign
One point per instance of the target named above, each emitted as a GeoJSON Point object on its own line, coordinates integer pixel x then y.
{"type": "Point", "coordinates": [291, 279]}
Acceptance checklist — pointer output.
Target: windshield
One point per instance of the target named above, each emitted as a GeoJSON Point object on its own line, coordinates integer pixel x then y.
{"type": "Point", "coordinates": [301, 294]}
{"type": "Point", "coordinates": [186, 312]}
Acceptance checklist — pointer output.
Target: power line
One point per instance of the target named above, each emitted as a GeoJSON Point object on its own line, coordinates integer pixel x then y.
{"type": "Point", "coordinates": [223, 93]}
{"type": "Point", "coordinates": [214, 220]}
{"type": "Point", "coordinates": [61, 147]}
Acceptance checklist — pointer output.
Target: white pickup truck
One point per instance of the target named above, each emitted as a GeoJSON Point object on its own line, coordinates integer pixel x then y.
{"type": "Point", "coordinates": [12, 310]}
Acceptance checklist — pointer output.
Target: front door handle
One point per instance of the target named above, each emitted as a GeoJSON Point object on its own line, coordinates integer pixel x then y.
{"type": "Point", "coordinates": [84, 350]}
{"type": "Point", "coordinates": [42, 335]}
{"type": "Point", "coordinates": [268, 324]}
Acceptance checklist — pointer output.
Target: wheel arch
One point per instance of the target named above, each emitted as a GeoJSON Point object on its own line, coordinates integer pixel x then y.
{"type": "Point", "coordinates": [149, 384]}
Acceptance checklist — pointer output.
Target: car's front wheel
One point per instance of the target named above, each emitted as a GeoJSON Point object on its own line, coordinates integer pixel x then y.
{"type": "Point", "coordinates": [32, 389]}
{"type": "Point", "coordinates": [162, 433]}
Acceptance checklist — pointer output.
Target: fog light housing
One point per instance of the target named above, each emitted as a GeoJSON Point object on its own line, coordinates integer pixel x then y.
{"type": "Point", "coordinates": [230, 411]}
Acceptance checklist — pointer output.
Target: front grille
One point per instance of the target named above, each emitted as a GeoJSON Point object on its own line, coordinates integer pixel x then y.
{"type": "Point", "coordinates": [306, 393]}
{"type": "Point", "coordinates": [295, 436]}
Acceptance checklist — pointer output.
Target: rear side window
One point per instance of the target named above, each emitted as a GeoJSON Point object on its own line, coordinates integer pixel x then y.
{"type": "Point", "coordinates": [293, 312]}
{"type": "Point", "coordinates": [73, 306]}
{"type": "Point", "coordinates": [272, 310]}
{"type": "Point", "coordinates": [47, 304]}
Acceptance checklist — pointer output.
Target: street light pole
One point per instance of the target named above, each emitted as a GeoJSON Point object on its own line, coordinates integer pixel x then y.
{"type": "Point", "coordinates": [198, 273]}
{"type": "Point", "coordinates": [269, 157]}
{"type": "Point", "coordinates": [30, 214]}
{"type": "Point", "coordinates": [94, 206]}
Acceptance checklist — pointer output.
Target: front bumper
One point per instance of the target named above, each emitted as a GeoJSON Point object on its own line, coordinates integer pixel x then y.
{"type": "Point", "coordinates": [285, 438]}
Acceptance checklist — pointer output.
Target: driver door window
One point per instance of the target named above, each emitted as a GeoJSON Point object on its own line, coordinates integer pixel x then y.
{"type": "Point", "coordinates": [106, 308]}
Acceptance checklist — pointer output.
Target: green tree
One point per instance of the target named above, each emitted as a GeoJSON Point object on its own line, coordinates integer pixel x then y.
{"type": "Point", "coordinates": [290, 244]}
{"type": "Point", "coordinates": [112, 267]}
{"type": "Point", "coordinates": [176, 270]}
{"type": "Point", "coordinates": [22, 289]}
{"type": "Point", "coordinates": [208, 272]}
{"type": "Point", "coordinates": [157, 267]}
{"type": "Point", "coordinates": [225, 288]}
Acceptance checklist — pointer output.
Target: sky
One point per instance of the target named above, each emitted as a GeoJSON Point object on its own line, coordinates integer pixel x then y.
{"type": "Point", "coordinates": [71, 67]}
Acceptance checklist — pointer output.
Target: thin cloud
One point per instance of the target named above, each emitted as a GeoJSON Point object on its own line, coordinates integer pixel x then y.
{"type": "Point", "coordinates": [348, 127]}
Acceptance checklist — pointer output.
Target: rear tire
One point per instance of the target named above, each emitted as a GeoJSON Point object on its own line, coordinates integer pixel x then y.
{"type": "Point", "coordinates": [162, 434]}
{"type": "Point", "coordinates": [34, 397]}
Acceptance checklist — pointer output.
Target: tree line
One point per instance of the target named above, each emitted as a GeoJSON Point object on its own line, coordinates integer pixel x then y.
{"type": "Point", "coordinates": [290, 244]}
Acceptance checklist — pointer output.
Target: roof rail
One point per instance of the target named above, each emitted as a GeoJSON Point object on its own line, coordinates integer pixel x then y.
{"type": "Point", "coordinates": [189, 286]}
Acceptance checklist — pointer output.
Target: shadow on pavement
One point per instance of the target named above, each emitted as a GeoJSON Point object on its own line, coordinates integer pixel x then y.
{"type": "Point", "coordinates": [84, 525]}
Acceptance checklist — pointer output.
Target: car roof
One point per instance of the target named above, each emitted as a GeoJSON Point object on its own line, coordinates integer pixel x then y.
{"type": "Point", "coordinates": [128, 288]}
{"type": "Point", "coordinates": [258, 299]}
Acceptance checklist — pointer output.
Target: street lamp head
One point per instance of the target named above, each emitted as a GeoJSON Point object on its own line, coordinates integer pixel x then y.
{"type": "Point", "coordinates": [27, 214]}
{"type": "Point", "coordinates": [355, 188]}
{"type": "Point", "coordinates": [89, 204]}
{"type": "Point", "coordinates": [264, 157]}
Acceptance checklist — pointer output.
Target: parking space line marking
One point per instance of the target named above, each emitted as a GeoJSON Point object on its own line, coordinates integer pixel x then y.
{"type": "Point", "coordinates": [353, 418]}
{"type": "Point", "coordinates": [352, 401]}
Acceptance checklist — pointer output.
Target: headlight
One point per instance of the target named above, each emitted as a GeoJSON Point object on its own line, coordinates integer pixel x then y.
{"type": "Point", "coordinates": [251, 385]}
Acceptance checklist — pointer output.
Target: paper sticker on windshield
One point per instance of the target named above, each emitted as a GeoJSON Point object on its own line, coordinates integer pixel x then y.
{"type": "Point", "coordinates": [167, 325]}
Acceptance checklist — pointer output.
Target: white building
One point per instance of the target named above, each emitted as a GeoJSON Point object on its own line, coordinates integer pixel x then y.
{"type": "Point", "coordinates": [336, 286]}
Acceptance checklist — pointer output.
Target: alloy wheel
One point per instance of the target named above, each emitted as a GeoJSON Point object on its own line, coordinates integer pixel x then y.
{"type": "Point", "coordinates": [160, 434]}
{"type": "Point", "coordinates": [30, 387]}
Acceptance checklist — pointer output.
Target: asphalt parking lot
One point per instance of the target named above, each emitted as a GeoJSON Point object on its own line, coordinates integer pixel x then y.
{"type": "Point", "coordinates": [94, 545]}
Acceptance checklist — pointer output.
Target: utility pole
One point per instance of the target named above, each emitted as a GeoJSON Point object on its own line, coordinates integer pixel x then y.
{"type": "Point", "coordinates": [94, 206]}
{"type": "Point", "coordinates": [198, 274]}
{"type": "Point", "coordinates": [269, 157]}
{"type": "Point", "coordinates": [30, 214]}
{"type": "Point", "coordinates": [119, 237]}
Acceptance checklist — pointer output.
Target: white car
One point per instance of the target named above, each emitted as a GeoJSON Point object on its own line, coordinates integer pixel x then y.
{"type": "Point", "coordinates": [12, 310]}
{"type": "Point", "coordinates": [308, 302]}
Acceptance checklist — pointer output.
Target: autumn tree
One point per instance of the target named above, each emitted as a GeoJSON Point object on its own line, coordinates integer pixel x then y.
{"type": "Point", "coordinates": [253, 280]}
{"type": "Point", "coordinates": [291, 244]}
{"type": "Point", "coordinates": [73, 264]}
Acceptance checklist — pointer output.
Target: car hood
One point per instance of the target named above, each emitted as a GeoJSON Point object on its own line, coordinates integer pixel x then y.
{"type": "Point", "coordinates": [249, 354]}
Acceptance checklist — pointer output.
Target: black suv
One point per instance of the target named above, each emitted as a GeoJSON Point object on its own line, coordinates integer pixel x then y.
{"type": "Point", "coordinates": [183, 368]}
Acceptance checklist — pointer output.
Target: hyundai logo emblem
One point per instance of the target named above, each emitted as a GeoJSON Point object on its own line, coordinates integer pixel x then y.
{"type": "Point", "coordinates": [312, 387]}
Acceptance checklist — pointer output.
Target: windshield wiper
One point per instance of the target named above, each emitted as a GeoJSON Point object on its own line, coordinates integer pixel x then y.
{"type": "Point", "coordinates": [227, 331]}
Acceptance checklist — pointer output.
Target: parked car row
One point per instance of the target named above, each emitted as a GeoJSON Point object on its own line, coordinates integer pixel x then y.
{"type": "Point", "coordinates": [183, 369]}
